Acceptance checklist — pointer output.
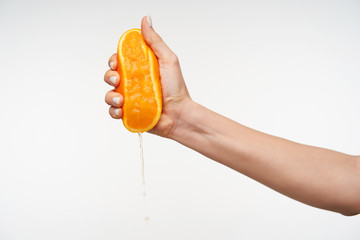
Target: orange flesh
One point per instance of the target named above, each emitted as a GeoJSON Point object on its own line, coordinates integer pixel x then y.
{"type": "Point", "coordinates": [140, 84]}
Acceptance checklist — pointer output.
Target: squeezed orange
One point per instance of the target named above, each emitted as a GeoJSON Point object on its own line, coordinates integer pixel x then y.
{"type": "Point", "coordinates": [140, 85]}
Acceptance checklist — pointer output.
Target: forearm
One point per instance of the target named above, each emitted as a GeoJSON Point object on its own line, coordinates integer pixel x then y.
{"type": "Point", "coordinates": [315, 176]}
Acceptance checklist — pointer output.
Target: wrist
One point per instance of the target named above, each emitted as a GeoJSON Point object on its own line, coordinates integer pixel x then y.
{"type": "Point", "coordinates": [187, 122]}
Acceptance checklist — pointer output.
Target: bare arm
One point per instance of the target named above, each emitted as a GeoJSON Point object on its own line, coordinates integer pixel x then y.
{"type": "Point", "coordinates": [315, 176]}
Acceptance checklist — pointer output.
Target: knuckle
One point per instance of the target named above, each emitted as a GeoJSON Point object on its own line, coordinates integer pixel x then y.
{"type": "Point", "coordinates": [111, 112]}
{"type": "Point", "coordinates": [157, 38]}
{"type": "Point", "coordinates": [108, 97]}
{"type": "Point", "coordinates": [112, 58]}
{"type": "Point", "coordinates": [107, 100]}
{"type": "Point", "coordinates": [173, 59]}
{"type": "Point", "coordinates": [154, 38]}
{"type": "Point", "coordinates": [106, 75]}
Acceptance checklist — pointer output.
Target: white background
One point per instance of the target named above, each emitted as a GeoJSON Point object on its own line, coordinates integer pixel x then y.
{"type": "Point", "coordinates": [69, 171]}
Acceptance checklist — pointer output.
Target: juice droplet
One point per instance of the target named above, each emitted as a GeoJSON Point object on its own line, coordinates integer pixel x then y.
{"type": "Point", "coordinates": [147, 219]}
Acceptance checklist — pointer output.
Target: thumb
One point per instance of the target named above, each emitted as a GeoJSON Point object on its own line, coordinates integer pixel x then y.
{"type": "Point", "coordinates": [155, 42]}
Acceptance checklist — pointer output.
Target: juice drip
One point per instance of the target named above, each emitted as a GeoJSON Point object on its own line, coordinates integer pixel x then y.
{"type": "Point", "coordinates": [146, 218]}
{"type": "Point", "coordinates": [142, 161]}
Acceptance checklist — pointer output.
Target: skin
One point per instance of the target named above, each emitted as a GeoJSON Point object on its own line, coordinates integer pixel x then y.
{"type": "Point", "coordinates": [316, 176]}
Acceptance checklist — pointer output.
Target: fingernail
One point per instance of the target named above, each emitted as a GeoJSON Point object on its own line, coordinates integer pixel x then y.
{"type": "Point", "coordinates": [116, 100]}
{"type": "Point", "coordinates": [148, 18]}
{"type": "Point", "coordinates": [112, 65]}
{"type": "Point", "coordinates": [116, 111]}
{"type": "Point", "coordinates": [113, 80]}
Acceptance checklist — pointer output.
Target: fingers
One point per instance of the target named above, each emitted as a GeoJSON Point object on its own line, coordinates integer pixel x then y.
{"type": "Point", "coordinates": [115, 112]}
{"type": "Point", "coordinates": [112, 78]}
{"type": "Point", "coordinates": [114, 99]}
{"type": "Point", "coordinates": [161, 50]}
{"type": "Point", "coordinates": [113, 62]}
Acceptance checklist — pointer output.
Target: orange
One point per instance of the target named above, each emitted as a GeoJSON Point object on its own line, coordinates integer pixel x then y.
{"type": "Point", "coordinates": [139, 82]}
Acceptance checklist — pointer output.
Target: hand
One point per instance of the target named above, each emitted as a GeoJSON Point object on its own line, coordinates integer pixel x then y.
{"type": "Point", "coordinates": [176, 97]}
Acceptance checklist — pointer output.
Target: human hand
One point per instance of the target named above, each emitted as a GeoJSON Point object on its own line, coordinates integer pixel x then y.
{"type": "Point", "coordinates": [176, 97]}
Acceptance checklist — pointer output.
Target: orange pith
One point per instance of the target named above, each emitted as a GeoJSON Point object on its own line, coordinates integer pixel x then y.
{"type": "Point", "coordinates": [139, 82]}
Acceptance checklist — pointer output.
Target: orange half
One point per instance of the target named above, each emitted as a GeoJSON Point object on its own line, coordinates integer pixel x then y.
{"type": "Point", "coordinates": [139, 82]}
